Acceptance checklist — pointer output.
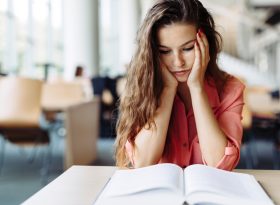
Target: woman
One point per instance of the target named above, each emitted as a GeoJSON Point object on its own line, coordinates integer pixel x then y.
{"type": "Point", "coordinates": [178, 107]}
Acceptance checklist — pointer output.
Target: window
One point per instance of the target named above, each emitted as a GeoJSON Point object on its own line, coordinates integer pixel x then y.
{"type": "Point", "coordinates": [31, 37]}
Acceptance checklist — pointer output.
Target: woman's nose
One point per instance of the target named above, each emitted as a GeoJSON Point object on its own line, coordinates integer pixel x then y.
{"type": "Point", "coordinates": [179, 60]}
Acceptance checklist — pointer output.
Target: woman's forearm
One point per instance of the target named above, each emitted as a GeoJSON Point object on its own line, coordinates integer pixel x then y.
{"type": "Point", "coordinates": [150, 142]}
{"type": "Point", "coordinates": [211, 138]}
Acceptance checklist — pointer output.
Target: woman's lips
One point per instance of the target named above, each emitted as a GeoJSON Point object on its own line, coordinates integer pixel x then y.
{"type": "Point", "coordinates": [180, 73]}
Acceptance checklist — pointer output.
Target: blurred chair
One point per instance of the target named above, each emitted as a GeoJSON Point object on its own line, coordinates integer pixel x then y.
{"type": "Point", "coordinates": [120, 85]}
{"type": "Point", "coordinates": [277, 145]}
{"type": "Point", "coordinates": [20, 100]}
{"type": "Point", "coordinates": [67, 107]}
{"type": "Point", "coordinates": [105, 87]}
{"type": "Point", "coordinates": [264, 126]}
{"type": "Point", "coordinates": [247, 124]}
{"type": "Point", "coordinates": [98, 84]}
{"type": "Point", "coordinates": [82, 131]}
{"type": "Point", "coordinates": [59, 95]}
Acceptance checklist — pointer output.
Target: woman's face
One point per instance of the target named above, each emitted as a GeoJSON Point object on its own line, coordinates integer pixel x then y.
{"type": "Point", "coordinates": [176, 47]}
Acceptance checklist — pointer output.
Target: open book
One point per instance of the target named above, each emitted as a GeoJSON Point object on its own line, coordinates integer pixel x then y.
{"type": "Point", "coordinates": [170, 184]}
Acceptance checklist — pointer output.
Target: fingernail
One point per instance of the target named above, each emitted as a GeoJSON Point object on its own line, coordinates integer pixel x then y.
{"type": "Point", "coordinates": [199, 34]}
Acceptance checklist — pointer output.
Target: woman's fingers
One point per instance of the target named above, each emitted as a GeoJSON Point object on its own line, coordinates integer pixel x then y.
{"type": "Point", "coordinates": [201, 47]}
{"type": "Point", "coordinates": [201, 51]}
{"type": "Point", "coordinates": [197, 60]}
{"type": "Point", "coordinates": [203, 38]}
{"type": "Point", "coordinates": [204, 48]}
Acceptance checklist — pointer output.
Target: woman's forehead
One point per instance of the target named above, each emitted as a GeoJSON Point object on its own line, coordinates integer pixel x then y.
{"type": "Point", "coordinates": [176, 34]}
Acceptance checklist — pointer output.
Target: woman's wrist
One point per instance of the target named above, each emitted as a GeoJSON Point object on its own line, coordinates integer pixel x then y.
{"type": "Point", "coordinates": [196, 89]}
{"type": "Point", "coordinates": [171, 85]}
{"type": "Point", "coordinates": [195, 86]}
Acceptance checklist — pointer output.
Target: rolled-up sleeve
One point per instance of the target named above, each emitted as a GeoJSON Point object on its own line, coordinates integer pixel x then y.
{"type": "Point", "coordinates": [229, 118]}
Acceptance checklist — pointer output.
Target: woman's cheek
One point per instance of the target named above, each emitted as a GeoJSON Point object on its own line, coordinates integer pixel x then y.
{"type": "Point", "coordinates": [189, 59]}
{"type": "Point", "coordinates": [166, 62]}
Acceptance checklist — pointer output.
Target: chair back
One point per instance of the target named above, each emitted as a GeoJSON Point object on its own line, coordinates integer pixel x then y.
{"type": "Point", "coordinates": [59, 95]}
{"type": "Point", "coordinates": [20, 102]}
{"type": "Point", "coordinates": [82, 128]}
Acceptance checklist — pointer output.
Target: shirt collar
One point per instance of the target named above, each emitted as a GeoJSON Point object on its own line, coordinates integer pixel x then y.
{"type": "Point", "coordinates": [211, 91]}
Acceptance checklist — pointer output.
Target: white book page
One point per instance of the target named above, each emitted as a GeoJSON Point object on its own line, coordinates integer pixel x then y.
{"type": "Point", "coordinates": [157, 177]}
{"type": "Point", "coordinates": [156, 197]}
{"type": "Point", "coordinates": [209, 182]}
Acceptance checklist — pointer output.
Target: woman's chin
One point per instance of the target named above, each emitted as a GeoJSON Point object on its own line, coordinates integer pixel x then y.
{"type": "Point", "coordinates": [182, 79]}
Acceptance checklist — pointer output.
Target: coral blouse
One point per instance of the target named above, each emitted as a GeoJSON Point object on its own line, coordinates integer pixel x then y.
{"type": "Point", "coordinates": [182, 143]}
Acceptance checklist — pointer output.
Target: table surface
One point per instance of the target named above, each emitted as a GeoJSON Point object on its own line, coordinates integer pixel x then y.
{"type": "Point", "coordinates": [82, 184]}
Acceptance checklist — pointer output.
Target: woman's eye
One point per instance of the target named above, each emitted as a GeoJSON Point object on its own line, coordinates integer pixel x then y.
{"type": "Point", "coordinates": [164, 52]}
{"type": "Point", "coordinates": [188, 49]}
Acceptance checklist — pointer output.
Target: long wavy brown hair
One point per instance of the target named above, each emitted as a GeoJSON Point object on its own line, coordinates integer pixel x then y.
{"type": "Point", "coordinates": [144, 81]}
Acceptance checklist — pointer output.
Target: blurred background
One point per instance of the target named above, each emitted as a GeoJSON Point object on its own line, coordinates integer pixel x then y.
{"type": "Point", "coordinates": [63, 67]}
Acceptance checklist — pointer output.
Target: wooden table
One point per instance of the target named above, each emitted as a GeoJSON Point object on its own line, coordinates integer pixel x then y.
{"type": "Point", "coordinates": [82, 184]}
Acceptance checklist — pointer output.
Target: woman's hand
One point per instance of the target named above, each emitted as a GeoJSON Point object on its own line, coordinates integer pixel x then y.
{"type": "Point", "coordinates": [169, 81]}
{"type": "Point", "coordinates": [202, 58]}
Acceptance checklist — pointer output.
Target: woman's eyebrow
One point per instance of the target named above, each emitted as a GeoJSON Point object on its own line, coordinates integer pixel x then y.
{"type": "Point", "coordinates": [184, 44]}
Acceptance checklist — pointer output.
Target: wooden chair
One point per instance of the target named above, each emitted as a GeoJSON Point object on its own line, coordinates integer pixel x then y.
{"type": "Point", "coordinates": [20, 100]}
{"type": "Point", "coordinates": [58, 95]}
{"type": "Point", "coordinates": [67, 106]}
{"type": "Point", "coordinates": [247, 124]}
{"type": "Point", "coordinates": [82, 131]}
{"type": "Point", "coordinates": [264, 124]}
